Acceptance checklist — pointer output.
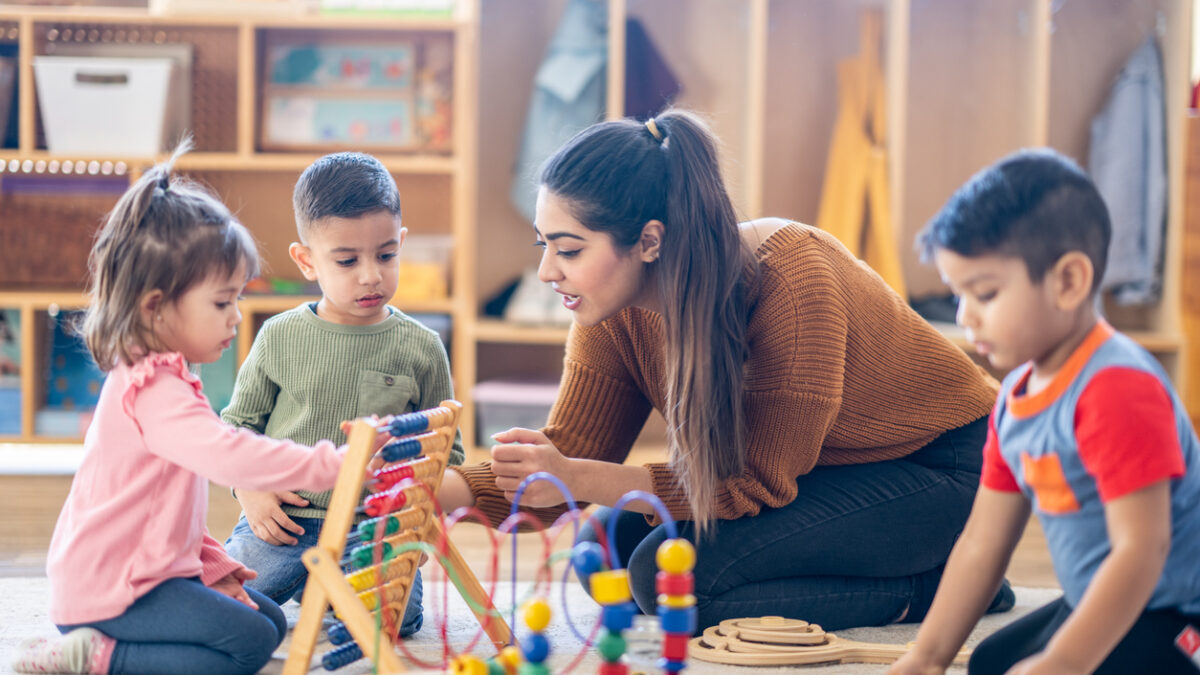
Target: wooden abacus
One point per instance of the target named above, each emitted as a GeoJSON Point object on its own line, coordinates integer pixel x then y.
{"type": "Point", "coordinates": [429, 433]}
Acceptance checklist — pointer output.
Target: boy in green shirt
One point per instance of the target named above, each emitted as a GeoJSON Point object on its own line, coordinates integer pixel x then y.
{"type": "Point", "coordinates": [346, 356]}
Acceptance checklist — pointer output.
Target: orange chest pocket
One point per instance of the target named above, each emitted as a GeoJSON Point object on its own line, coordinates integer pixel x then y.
{"type": "Point", "coordinates": [1045, 476]}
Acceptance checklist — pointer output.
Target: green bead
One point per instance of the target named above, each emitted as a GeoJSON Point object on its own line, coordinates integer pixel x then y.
{"type": "Point", "coordinates": [611, 646]}
{"type": "Point", "coordinates": [495, 668]}
{"type": "Point", "coordinates": [528, 668]}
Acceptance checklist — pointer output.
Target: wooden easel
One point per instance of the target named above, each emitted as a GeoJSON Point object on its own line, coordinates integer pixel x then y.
{"type": "Point", "coordinates": [326, 584]}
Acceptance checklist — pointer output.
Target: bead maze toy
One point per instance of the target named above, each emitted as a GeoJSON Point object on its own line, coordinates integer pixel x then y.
{"type": "Point", "coordinates": [776, 641]}
{"type": "Point", "coordinates": [371, 600]}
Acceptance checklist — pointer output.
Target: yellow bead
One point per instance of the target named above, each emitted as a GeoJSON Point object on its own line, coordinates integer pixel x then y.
{"type": "Point", "coordinates": [466, 664]}
{"type": "Point", "coordinates": [676, 601]}
{"type": "Point", "coordinates": [610, 587]}
{"type": "Point", "coordinates": [537, 614]}
{"type": "Point", "coordinates": [676, 556]}
{"type": "Point", "coordinates": [510, 657]}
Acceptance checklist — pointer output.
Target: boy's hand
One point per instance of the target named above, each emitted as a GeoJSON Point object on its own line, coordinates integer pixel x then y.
{"type": "Point", "coordinates": [267, 521]}
{"type": "Point", "coordinates": [231, 585]}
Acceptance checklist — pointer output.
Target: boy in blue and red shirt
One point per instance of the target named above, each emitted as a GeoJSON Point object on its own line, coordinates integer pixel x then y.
{"type": "Point", "coordinates": [1087, 432]}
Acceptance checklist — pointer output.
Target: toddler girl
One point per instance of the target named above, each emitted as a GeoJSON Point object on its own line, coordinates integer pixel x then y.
{"type": "Point", "coordinates": [137, 583]}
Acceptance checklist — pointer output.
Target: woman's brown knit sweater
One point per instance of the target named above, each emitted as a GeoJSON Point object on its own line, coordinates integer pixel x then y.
{"type": "Point", "coordinates": [841, 371]}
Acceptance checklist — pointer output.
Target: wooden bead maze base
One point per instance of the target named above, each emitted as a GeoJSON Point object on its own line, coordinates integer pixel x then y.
{"type": "Point", "coordinates": [385, 585]}
{"type": "Point", "coordinates": [776, 641]}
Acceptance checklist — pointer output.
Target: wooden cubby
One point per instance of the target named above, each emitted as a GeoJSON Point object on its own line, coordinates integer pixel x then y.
{"type": "Point", "coordinates": [966, 82]}
{"type": "Point", "coordinates": [437, 186]}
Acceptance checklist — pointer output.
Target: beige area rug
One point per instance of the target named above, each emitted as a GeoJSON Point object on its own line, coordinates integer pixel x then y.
{"type": "Point", "coordinates": [23, 615]}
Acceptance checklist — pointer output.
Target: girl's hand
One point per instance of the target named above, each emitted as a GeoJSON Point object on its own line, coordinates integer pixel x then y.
{"type": "Point", "coordinates": [231, 585]}
{"type": "Point", "coordinates": [267, 520]}
{"type": "Point", "coordinates": [521, 452]}
{"type": "Point", "coordinates": [912, 664]}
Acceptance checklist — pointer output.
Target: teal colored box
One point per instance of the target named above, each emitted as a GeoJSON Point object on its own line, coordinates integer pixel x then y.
{"type": "Point", "coordinates": [342, 66]}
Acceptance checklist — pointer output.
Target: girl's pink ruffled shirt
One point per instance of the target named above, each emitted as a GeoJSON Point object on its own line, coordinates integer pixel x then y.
{"type": "Point", "coordinates": [136, 513]}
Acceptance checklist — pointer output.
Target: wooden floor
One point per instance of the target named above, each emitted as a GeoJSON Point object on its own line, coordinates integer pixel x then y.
{"type": "Point", "coordinates": [31, 505]}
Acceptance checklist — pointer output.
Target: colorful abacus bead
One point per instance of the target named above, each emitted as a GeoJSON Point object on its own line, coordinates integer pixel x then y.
{"type": "Point", "coordinates": [466, 664]}
{"type": "Point", "coordinates": [339, 635]}
{"type": "Point", "coordinates": [386, 478]}
{"type": "Point", "coordinates": [509, 659]}
{"type": "Point", "coordinates": [536, 647]}
{"type": "Point", "coordinates": [398, 451]}
{"type": "Point", "coordinates": [342, 656]}
{"type": "Point", "coordinates": [587, 557]}
{"type": "Point", "coordinates": [676, 603]}
{"type": "Point", "coordinates": [610, 587]}
{"type": "Point", "coordinates": [403, 425]}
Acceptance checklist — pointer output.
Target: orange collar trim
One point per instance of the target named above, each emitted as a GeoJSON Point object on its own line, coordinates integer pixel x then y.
{"type": "Point", "coordinates": [1030, 405]}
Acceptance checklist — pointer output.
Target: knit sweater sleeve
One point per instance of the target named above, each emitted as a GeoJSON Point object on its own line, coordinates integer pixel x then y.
{"type": "Point", "coordinates": [254, 393]}
{"type": "Point", "coordinates": [597, 415]}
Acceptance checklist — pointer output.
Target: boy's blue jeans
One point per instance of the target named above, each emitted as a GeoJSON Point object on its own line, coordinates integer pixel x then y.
{"type": "Point", "coordinates": [282, 574]}
{"type": "Point", "coordinates": [859, 546]}
{"type": "Point", "coordinates": [183, 626]}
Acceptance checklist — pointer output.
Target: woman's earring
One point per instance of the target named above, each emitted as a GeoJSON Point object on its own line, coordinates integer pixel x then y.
{"type": "Point", "coordinates": [160, 317]}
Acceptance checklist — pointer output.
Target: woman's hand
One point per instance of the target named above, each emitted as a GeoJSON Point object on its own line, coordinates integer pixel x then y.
{"type": "Point", "coordinates": [521, 452]}
{"type": "Point", "coordinates": [231, 585]}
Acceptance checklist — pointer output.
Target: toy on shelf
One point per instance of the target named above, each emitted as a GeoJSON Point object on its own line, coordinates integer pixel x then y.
{"type": "Point", "coordinates": [371, 600]}
{"type": "Point", "coordinates": [776, 641]}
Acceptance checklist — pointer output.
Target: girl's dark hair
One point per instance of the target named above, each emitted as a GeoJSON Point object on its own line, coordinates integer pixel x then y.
{"type": "Point", "coordinates": [165, 233]}
{"type": "Point", "coordinates": [616, 177]}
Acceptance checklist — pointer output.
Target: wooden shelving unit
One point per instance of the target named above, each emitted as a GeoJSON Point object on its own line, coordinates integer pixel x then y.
{"type": "Point", "coordinates": [437, 188]}
{"type": "Point", "coordinates": [967, 81]}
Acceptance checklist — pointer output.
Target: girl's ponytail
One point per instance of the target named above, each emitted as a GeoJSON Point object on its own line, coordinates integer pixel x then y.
{"type": "Point", "coordinates": [165, 233]}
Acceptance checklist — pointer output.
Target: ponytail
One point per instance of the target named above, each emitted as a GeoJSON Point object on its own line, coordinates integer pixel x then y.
{"type": "Point", "coordinates": [617, 176]}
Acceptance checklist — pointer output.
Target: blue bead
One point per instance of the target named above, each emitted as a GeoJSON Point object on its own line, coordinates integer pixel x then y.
{"type": "Point", "coordinates": [408, 424]}
{"type": "Point", "coordinates": [535, 647]}
{"type": "Point", "coordinates": [669, 666]}
{"type": "Point", "coordinates": [338, 634]}
{"type": "Point", "coordinates": [677, 620]}
{"type": "Point", "coordinates": [400, 450]}
{"type": "Point", "coordinates": [617, 618]}
{"type": "Point", "coordinates": [587, 558]}
{"type": "Point", "coordinates": [341, 656]}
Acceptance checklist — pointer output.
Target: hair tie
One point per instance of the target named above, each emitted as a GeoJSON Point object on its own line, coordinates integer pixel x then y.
{"type": "Point", "coordinates": [652, 127]}
{"type": "Point", "coordinates": [164, 183]}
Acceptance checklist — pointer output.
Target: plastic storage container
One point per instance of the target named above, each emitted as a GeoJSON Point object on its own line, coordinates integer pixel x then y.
{"type": "Point", "coordinates": [104, 106]}
{"type": "Point", "coordinates": [424, 268]}
{"type": "Point", "coordinates": [503, 404]}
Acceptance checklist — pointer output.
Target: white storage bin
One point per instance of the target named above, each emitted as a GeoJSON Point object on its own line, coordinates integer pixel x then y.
{"type": "Point", "coordinates": [503, 404]}
{"type": "Point", "coordinates": [104, 106]}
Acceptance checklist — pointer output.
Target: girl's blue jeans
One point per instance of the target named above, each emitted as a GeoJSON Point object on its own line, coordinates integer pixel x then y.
{"type": "Point", "coordinates": [184, 627]}
{"type": "Point", "coordinates": [861, 545]}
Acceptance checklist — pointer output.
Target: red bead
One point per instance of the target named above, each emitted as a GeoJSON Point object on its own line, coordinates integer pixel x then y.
{"type": "Point", "coordinates": [666, 583]}
{"type": "Point", "coordinates": [675, 646]}
{"type": "Point", "coordinates": [613, 669]}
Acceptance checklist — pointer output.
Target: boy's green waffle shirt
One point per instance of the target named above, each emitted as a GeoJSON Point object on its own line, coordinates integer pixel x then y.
{"type": "Point", "coordinates": [305, 375]}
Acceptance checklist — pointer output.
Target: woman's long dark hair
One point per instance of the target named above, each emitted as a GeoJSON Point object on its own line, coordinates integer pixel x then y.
{"type": "Point", "coordinates": [616, 177]}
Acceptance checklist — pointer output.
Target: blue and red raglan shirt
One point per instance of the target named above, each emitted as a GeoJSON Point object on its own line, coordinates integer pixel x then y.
{"type": "Point", "coordinates": [1109, 424]}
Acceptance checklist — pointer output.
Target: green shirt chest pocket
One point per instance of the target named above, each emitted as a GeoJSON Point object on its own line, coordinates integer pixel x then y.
{"type": "Point", "coordinates": [382, 393]}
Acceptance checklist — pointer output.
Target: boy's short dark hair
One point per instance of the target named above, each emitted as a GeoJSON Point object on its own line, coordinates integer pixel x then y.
{"type": "Point", "coordinates": [1035, 205]}
{"type": "Point", "coordinates": [343, 185]}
